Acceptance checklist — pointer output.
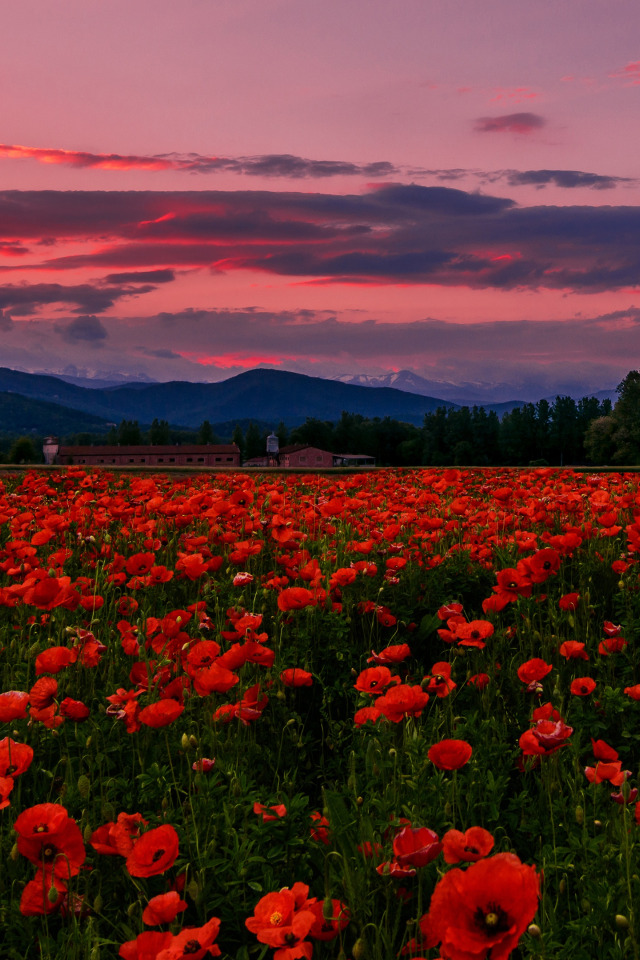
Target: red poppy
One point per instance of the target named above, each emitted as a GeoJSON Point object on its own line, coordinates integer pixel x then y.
{"type": "Point", "coordinates": [37, 898]}
{"type": "Point", "coordinates": [163, 908]}
{"type": "Point", "coordinates": [281, 920]}
{"type": "Point", "coordinates": [582, 686]}
{"type": "Point", "coordinates": [13, 705]}
{"type": "Point", "coordinates": [331, 917]}
{"type": "Point", "coordinates": [473, 844]}
{"type": "Point", "coordinates": [48, 837]}
{"type": "Point", "coordinates": [569, 601]}
{"type": "Point", "coordinates": [74, 710]}
{"type": "Point", "coordinates": [542, 564]}
{"type": "Point", "coordinates": [480, 680]}
{"type": "Point", "coordinates": [450, 754]}
{"type": "Point", "coordinates": [402, 701]}
{"type": "Point", "coordinates": [140, 563]}
{"type": "Point", "coordinates": [482, 910]}
{"type": "Point", "coordinates": [43, 693]}
{"type": "Point", "coordinates": [573, 650]}
{"type": "Point", "coordinates": [474, 633]}
{"type": "Point", "coordinates": [146, 946]}
{"type": "Point", "coordinates": [367, 715]}
{"type": "Point", "coordinates": [319, 828]}
{"type": "Point", "coordinates": [602, 750]}
{"type": "Point", "coordinates": [296, 598]}
{"type": "Point", "coordinates": [295, 677]}
{"type": "Point", "coordinates": [193, 943]}
{"type": "Point", "coordinates": [612, 772]}
{"type": "Point", "coordinates": [160, 714]}
{"type": "Point", "coordinates": [532, 671]}
{"type": "Point", "coordinates": [393, 654]}
{"type": "Point", "coordinates": [546, 737]}
{"type": "Point", "coordinates": [439, 681]}
{"type": "Point", "coordinates": [6, 786]}
{"type": "Point", "coordinates": [416, 846]}
{"type": "Point", "coordinates": [279, 811]}
{"type": "Point", "coordinates": [15, 758]}
{"type": "Point", "coordinates": [373, 680]}
{"type": "Point", "coordinates": [154, 852]}
{"type": "Point", "coordinates": [633, 692]}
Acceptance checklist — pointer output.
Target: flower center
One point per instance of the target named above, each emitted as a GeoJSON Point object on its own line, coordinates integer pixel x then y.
{"type": "Point", "coordinates": [275, 919]}
{"type": "Point", "coordinates": [191, 946]}
{"type": "Point", "coordinates": [156, 856]}
{"type": "Point", "coordinates": [492, 919]}
{"type": "Point", "coordinates": [41, 828]}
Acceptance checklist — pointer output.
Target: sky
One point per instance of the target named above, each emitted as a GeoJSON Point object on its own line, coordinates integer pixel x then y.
{"type": "Point", "coordinates": [189, 190]}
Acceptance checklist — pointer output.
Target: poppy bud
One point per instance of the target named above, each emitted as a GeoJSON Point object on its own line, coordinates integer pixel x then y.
{"type": "Point", "coordinates": [87, 833]}
{"type": "Point", "coordinates": [597, 823]}
{"type": "Point", "coordinates": [88, 742]}
{"type": "Point", "coordinates": [14, 852]}
{"type": "Point", "coordinates": [184, 741]}
{"type": "Point", "coordinates": [534, 931]}
{"type": "Point", "coordinates": [359, 949]}
{"type": "Point", "coordinates": [585, 905]}
{"type": "Point", "coordinates": [327, 908]}
{"type": "Point", "coordinates": [359, 801]}
{"type": "Point", "coordinates": [193, 889]}
{"type": "Point", "coordinates": [579, 815]}
{"type": "Point", "coordinates": [52, 895]}
{"type": "Point", "coordinates": [562, 886]}
{"type": "Point", "coordinates": [84, 786]}
{"type": "Point", "coordinates": [393, 752]}
{"type": "Point", "coordinates": [621, 922]}
{"type": "Point", "coordinates": [131, 909]}
{"type": "Point", "coordinates": [97, 904]}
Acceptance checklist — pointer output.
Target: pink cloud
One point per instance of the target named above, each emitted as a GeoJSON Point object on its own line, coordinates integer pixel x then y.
{"type": "Point", "coordinates": [630, 73]}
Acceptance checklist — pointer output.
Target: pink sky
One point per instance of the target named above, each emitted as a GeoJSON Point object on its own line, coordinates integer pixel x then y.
{"type": "Point", "coordinates": [329, 187]}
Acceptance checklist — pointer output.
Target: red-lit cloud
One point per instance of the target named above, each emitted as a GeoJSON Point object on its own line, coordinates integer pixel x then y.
{"type": "Point", "coordinates": [520, 123]}
{"type": "Point", "coordinates": [630, 73]}
{"type": "Point", "coordinates": [395, 234]}
{"type": "Point", "coordinates": [264, 165]}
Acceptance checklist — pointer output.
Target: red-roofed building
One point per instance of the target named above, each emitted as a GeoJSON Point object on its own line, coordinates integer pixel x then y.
{"type": "Point", "coordinates": [188, 454]}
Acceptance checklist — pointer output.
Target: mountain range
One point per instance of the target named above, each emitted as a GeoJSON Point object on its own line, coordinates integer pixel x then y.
{"type": "Point", "coordinates": [51, 404]}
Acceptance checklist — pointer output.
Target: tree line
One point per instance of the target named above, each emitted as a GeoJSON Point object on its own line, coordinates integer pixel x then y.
{"type": "Point", "coordinates": [563, 432]}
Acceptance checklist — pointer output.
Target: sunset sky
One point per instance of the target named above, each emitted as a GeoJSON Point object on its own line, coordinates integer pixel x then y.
{"type": "Point", "coordinates": [189, 190]}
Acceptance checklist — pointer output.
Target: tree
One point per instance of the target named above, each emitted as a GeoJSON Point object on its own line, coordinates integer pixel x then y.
{"type": "Point", "coordinates": [129, 433]}
{"type": "Point", "coordinates": [254, 443]}
{"type": "Point", "coordinates": [159, 432]}
{"type": "Point", "coordinates": [206, 434]}
{"type": "Point", "coordinates": [23, 451]}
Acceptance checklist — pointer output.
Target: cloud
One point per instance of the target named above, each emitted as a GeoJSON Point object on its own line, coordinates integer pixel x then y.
{"type": "Point", "coordinates": [630, 73]}
{"type": "Point", "coordinates": [88, 329]}
{"type": "Point", "coordinates": [264, 165]}
{"type": "Point", "coordinates": [567, 179]}
{"type": "Point", "coordinates": [522, 123]}
{"type": "Point", "coordinates": [533, 358]}
{"type": "Point", "coordinates": [390, 234]}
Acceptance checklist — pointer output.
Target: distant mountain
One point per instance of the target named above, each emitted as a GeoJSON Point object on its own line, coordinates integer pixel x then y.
{"type": "Point", "coordinates": [492, 396]}
{"type": "Point", "coordinates": [24, 415]}
{"type": "Point", "coordinates": [268, 395]}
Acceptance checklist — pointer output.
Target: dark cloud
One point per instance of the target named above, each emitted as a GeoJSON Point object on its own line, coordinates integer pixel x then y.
{"type": "Point", "coordinates": [394, 233]}
{"type": "Point", "coordinates": [568, 179]}
{"type": "Point", "coordinates": [510, 123]}
{"type": "Point", "coordinates": [86, 328]}
{"type": "Point", "coordinates": [143, 276]}
{"type": "Point", "coordinates": [160, 354]}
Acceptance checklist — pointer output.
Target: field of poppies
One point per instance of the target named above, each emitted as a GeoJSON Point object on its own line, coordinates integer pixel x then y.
{"type": "Point", "coordinates": [367, 716]}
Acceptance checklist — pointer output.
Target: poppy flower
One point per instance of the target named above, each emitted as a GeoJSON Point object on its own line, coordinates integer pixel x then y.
{"type": "Point", "coordinates": [573, 650]}
{"type": "Point", "coordinates": [367, 715]}
{"type": "Point", "coordinates": [532, 671]}
{"type": "Point", "coordinates": [146, 946]}
{"type": "Point", "coordinates": [393, 654]}
{"type": "Point", "coordinates": [545, 738]}
{"type": "Point", "coordinates": [163, 908]}
{"type": "Point", "coordinates": [439, 681]}
{"type": "Point", "coordinates": [483, 910]}
{"type": "Point", "coordinates": [611, 771]}
{"type": "Point", "coordinates": [295, 677]}
{"type": "Point", "coordinates": [37, 899]}
{"type": "Point", "coordinates": [633, 692]}
{"type": "Point", "coordinates": [193, 943]}
{"type": "Point", "coordinates": [279, 811]}
{"type": "Point", "coordinates": [50, 838]}
{"type": "Point", "coordinates": [473, 844]}
{"type": "Point", "coordinates": [74, 710]}
{"type": "Point", "coordinates": [328, 927]}
{"type": "Point", "coordinates": [569, 601]}
{"type": "Point", "coordinates": [319, 828]}
{"type": "Point", "coordinates": [160, 714]}
{"type": "Point", "coordinates": [474, 633]}
{"type": "Point", "coordinates": [6, 786]}
{"type": "Point", "coordinates": [15, 758]}
{"type": "Point", "coordinates": [280, 920]}
{"type": "Point", "coordinates": [402, 701]}
{"type": "Point", "coordinates": [373, 680]}
{"type": "Point", "coordinates": [13, 705]}
{"type": "Point", "coordinates": [295, 598]}
{"type": "Point", "coordinates": [154, 852]}
{"type": "Point", "coordinates": [582, 686]}
{"type": "Point", "coordinates": [450, 754]}
{"type": "Point", "coordinates": [480, 680]}
{"type": "Point", "coordinates": [602, 750]}
{"type": "Point", "coordinates": [43, 693]}
{"type": "Point", "coordinates": [611, 645]}
{"type": "Point", "coordinates": [416, 846]}
{"type": "Point", "coordinates": [543, 564]}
